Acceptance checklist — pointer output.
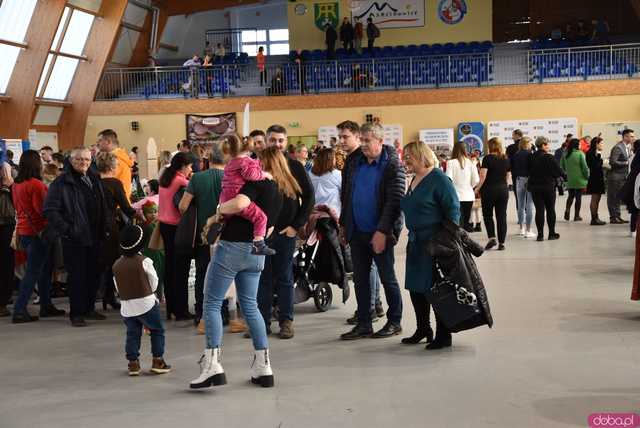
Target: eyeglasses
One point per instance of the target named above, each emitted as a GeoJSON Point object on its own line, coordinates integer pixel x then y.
{"type": "Point", "coordinates": [82, 159]}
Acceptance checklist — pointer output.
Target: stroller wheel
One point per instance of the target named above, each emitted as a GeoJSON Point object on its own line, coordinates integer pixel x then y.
{"type": "Point", "coordinates": [323, 296]}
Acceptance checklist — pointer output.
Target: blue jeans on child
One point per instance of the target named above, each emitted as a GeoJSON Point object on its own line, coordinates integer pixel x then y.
{"type": "Point", "coordinates": [39, 267]}
{"type": "Point", "coordinates": [151, 319]}
{"type": "Point", "coordinates": [525, 202]}
{"type": "Point", "coordinates": [234, 261]}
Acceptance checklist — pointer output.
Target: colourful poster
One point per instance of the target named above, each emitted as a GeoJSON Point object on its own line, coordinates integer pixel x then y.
{"type": "Point", "coordinates": [452, 11]}
{"type": "Point", "coordinates": [472, 134]}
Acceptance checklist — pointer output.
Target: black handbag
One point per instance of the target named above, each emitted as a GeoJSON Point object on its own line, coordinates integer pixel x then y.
{"type": "Point", "coordinates": [456, 306]}
{"type": "Point", "coordinates": [7, 210]}
{"type": "Point", "coordinates": [186, 233]}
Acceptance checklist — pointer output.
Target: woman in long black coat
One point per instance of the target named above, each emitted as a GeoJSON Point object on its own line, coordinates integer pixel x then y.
{"type": "Point", "coordinates": [595, 185]}
{"type": "Point", "coordinates": [116, 202]}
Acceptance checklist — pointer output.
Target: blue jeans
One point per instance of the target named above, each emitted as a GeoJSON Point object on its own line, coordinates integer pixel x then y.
{"type": "Point", "coordinates": [233, 261]}
{"type": "Point", "coordinates": [153, 321]}
{"type": "Point", "coordinates": [39, 267]}
{"type": "Point", "coordinates": [278, 274]}
{"type": "Point", "coordinates": [525, 202]}
{"type": "Point", "coordinates": [363, 258]}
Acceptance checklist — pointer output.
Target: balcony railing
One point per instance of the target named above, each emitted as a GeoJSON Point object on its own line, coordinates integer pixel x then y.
{"type": "Point", "coordinates": [482, 69]}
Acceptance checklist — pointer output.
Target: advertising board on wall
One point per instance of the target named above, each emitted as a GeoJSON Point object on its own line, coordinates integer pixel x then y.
{"type": "Point", "coordinates": [440, 140]}
{"type": "Point", "coordinates": [389, 13]}
{"type": "Point", "coordinates": [472, 134]}
{"type": "Point", "coordinates": [206, 129]}
{"type": "Point", "coordinates": [325, 133]}
{"type": "Point", "coordinates": [554, 129]}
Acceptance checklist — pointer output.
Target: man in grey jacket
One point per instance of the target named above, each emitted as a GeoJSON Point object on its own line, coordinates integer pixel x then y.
{"type": "Point", "coordinates": [619, 162]}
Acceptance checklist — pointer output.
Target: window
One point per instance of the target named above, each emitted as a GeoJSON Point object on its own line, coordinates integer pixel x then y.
{"type": "Point", "coordinates": [279, 35]}
{"type": "Point", "coordinates": [275, 42]}
{"type": "Point", "coordinates": [279, 49]}
{"type": "Point", "coordinates": [65, 54]}
{"type": "Point", "coordinates": [15, 16]}
{"type": "Point", "coordinates": [77, 32]}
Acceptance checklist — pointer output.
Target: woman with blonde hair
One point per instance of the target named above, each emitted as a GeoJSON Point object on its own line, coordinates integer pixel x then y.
{"type": "Point", "coordinates": [164, 160]}
{"type": "Point", "coordinates": [430, 200]}
{"type": "Point", "coordinates": [116, 202]}
{"type": "Point", "coordinates": [494, 192]}
{"type": "Point", "coordinates": [234, 260]}
{"type": "Point", "coordinates": [464, 175]}
{"type": "Point", "coordinates": [521, 164]}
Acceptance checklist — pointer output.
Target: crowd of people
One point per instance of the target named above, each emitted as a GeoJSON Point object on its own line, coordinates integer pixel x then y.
{"type": "Point", "coordinates": [131, 241]}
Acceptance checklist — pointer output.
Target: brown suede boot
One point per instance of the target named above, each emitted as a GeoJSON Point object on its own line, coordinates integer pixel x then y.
{"type": "Point", "coordinates": [286, 329]}
{"type": "Point", "coordinates": [134, 368]}
{"type": "Point", "coordinates": [159, 366]}
{"type": "Point", "coordinates": [201, 327]}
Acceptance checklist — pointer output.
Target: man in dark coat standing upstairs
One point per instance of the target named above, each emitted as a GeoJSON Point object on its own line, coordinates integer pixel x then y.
{"type": "Point", "coordinates": [371, 221]}
{"type": "Point", "coordinates": [76, 211]}
{"type": "Point", "coordinates": [331, 36]}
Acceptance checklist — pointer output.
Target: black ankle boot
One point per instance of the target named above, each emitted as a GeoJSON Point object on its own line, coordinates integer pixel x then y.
{"type": "Point", "coordinates": [418, 336]}
{"type": "Point", "coordinates": [441, 341]}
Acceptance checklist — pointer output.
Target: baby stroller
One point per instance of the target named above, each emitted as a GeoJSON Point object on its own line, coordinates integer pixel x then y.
{"type": "Point", "coordinates": [321, 261]}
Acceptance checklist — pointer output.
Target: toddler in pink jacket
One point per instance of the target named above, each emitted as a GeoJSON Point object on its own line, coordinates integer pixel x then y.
{"type": "Point", "coordinates": [240, 169]}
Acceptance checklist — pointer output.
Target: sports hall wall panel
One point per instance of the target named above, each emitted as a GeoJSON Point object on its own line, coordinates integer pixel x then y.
{"type": "Point", "coordinates": [475, 25]}
{"type": "Point", "coordinates": [612, 101]}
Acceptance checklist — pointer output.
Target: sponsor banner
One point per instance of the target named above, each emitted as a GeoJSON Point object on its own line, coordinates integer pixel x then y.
{"type": "Point", "coordinates": [440, 140]}
{"type": "Point", "coordinates": [554, 129]}
{"type": "Point", "coordinates": [206, 129]}
{"type": "Point", "coordinates": [390, 13]}
{"type": "Point", "coordinates": [472, 134]}
{"type": "Point", "coordinates": [16, 146]}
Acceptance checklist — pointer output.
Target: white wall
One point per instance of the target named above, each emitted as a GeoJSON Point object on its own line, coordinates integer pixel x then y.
{"type": "Point", "coordinates": [187, 32]}
{"type": "Point", "coordinates": [261, 17]}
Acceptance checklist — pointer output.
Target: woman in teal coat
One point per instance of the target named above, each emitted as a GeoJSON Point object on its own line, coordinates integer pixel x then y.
{"type": "Point", "coordinates": [430, 199]}
{"type": "Point", "coordinates": [574, 164]}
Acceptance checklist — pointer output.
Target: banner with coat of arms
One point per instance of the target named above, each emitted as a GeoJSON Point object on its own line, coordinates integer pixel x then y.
{"type": "Point", "coordinates": [326, 13]}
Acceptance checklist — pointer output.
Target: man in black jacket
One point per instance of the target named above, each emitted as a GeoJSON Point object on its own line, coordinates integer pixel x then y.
{"type": "Point", "coordinates": [371, 221]}
{"type": "Point", "coordinates": [349, 134]}
{"type": "Point", "coordinates": [278, 269]}
{"type": "Point", "coordinates": [76, 211]}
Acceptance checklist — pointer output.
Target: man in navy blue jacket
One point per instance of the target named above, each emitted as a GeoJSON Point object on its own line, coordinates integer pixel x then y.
{"type": "Point", "coordinates": [371, 221]}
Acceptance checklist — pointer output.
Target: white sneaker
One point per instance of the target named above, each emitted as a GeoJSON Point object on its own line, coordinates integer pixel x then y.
{"type": "Point", "coordinates": [211, 371]}
{"type": "Point", "coordinates": [261, 373]}
{"type": "Point", "coordinates": [523, 231]}
{"type": "Point", "coordinates": [530, 234]}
